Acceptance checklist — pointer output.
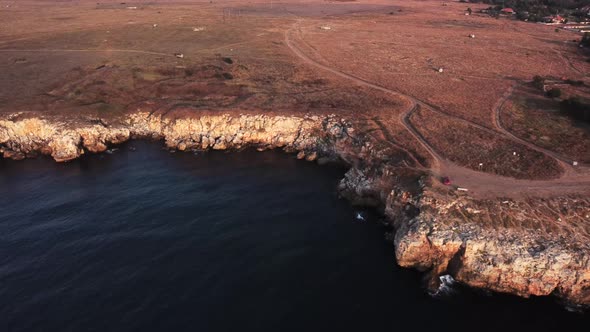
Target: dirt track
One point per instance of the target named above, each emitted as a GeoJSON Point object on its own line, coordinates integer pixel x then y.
{"type": "Point", "coordinates": [480, 184]}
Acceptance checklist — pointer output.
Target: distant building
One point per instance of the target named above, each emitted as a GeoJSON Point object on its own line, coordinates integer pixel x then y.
{"type": "Point", "coordinates": [554, 19]}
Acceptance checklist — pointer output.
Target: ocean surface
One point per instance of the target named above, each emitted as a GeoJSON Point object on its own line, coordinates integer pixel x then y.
{"type": "Point", "coordinates": [149, 240]}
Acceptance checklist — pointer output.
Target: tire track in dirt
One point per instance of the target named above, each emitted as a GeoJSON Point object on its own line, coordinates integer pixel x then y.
{"type": "Point", "coordinates": [362, 81]}
{"type": "Point", "coordinates": [569, 63]}
{"type": "Point", "coordinates": [404, 119]}
{"type": "Point", "coordinates": [12, 50]}
{"type": "Point", "coordinates": [389, 138]}
{"type": "Point", "coordinates": [115, 50]}
{"type": "Point", "coordinates": [438, 160]}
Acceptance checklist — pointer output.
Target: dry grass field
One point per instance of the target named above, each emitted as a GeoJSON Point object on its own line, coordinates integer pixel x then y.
{"type": "Point", "coordinates": [531, 116]}
{"type": "Point", "coordinates": [374, 62]}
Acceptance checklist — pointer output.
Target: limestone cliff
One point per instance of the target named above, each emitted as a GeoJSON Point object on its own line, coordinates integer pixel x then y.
{"type": "Point", "coordinates": [523, 258]}
{"type": "Point", "coordinates": [65, 140]}
{"type": "Point", "coordinates": [524, 248]}
{"type": "Point", "coordinates": [531, 247]}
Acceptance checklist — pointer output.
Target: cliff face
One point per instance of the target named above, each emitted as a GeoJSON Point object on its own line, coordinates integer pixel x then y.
{"type": "Point", "coordinates": [65, 140]}
{"type": "Point", "coordinates": [504, 246]}
{"type": "Point", "coordinates": [513, 260]}
{"type": "Point", "coordinates": [533, 247]}
{"type": "Point", "coordinates": [61, 140]}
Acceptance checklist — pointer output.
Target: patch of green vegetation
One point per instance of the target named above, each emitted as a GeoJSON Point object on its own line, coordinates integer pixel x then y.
{"type": "Point", "coordinates": [108, 109]}
{"type": "Point", "coordinates": [537, 10]}
{"type": "Point", "coordinates": [538, 82]}
{"type": "Point", "coordinates": [574, 82]}
{"type": "Point", "coordinates": [554, 93]}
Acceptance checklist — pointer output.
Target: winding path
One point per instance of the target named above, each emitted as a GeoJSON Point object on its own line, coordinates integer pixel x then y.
{"type": "Point", "coordinates": [414, 102]}
{"type": "Point", "coordinates": [485, 184]}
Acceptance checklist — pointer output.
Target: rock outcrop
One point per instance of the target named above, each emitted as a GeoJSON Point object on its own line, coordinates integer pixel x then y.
{"type": "Point", "coordinates": [66, 141]}
{"type": "Point", "coordinates": [448, 237]}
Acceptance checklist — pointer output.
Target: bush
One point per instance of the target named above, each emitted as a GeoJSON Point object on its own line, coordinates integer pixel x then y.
{"type": "Point", "coordinates": [574, 107]}
{"type": "Point", "coordinates": [538, 82]}
{"type": "Point", "coordinates": [574, 82]}
{"type": "Point", "coordinates": [554, 93]}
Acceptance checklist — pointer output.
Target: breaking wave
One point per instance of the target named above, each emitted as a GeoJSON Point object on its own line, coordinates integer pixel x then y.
{"type": "Point", "coordinates": [446, 287]}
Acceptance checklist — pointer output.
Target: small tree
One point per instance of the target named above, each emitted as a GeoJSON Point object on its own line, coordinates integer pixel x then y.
{"type": "Point", "coordinates": [576, 108]}
{"type": "Point", "coordinates": [585, 40]}
{"type": "Point", "coordinates": [554, 93]}
{"type": "Point", "coordinates": [538, 82]}
{"type": "Point", "coordinates": [469, 10]}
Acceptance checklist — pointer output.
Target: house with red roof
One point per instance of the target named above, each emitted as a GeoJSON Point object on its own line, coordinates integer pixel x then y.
{"type": "Point", "coordinates": [554, 19]}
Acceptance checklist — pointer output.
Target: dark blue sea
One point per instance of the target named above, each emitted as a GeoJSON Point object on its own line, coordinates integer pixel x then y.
{"type": "Point", "coordinates": [147, 240]}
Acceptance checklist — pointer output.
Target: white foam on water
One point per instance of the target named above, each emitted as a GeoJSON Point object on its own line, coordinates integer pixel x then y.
{"type": "Point", "coordinates": [575, 308]}
{"type": "Point", "coordinates": [446, 287]}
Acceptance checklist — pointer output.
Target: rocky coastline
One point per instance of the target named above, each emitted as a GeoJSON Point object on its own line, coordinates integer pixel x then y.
{"type": "Point", "coordinates": [499, 245]}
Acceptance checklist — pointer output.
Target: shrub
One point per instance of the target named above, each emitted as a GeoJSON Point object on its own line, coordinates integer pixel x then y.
{"type": "Point", "coordinates": [538, 82]}
{"type": "Point", "coordinates": [554, 93]}
{"type": "Point", "coordinates": [574, 107]}
{"type": "Point", "coordinates": [574, 82]}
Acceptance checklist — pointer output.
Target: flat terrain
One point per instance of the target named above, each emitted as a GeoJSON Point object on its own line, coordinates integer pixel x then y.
{"type": "Point", "coordinates": [374, 62]}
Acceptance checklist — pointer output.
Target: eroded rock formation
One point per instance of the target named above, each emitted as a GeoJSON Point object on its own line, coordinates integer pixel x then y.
{"type": "Point", "coordinates": [65, 140]}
